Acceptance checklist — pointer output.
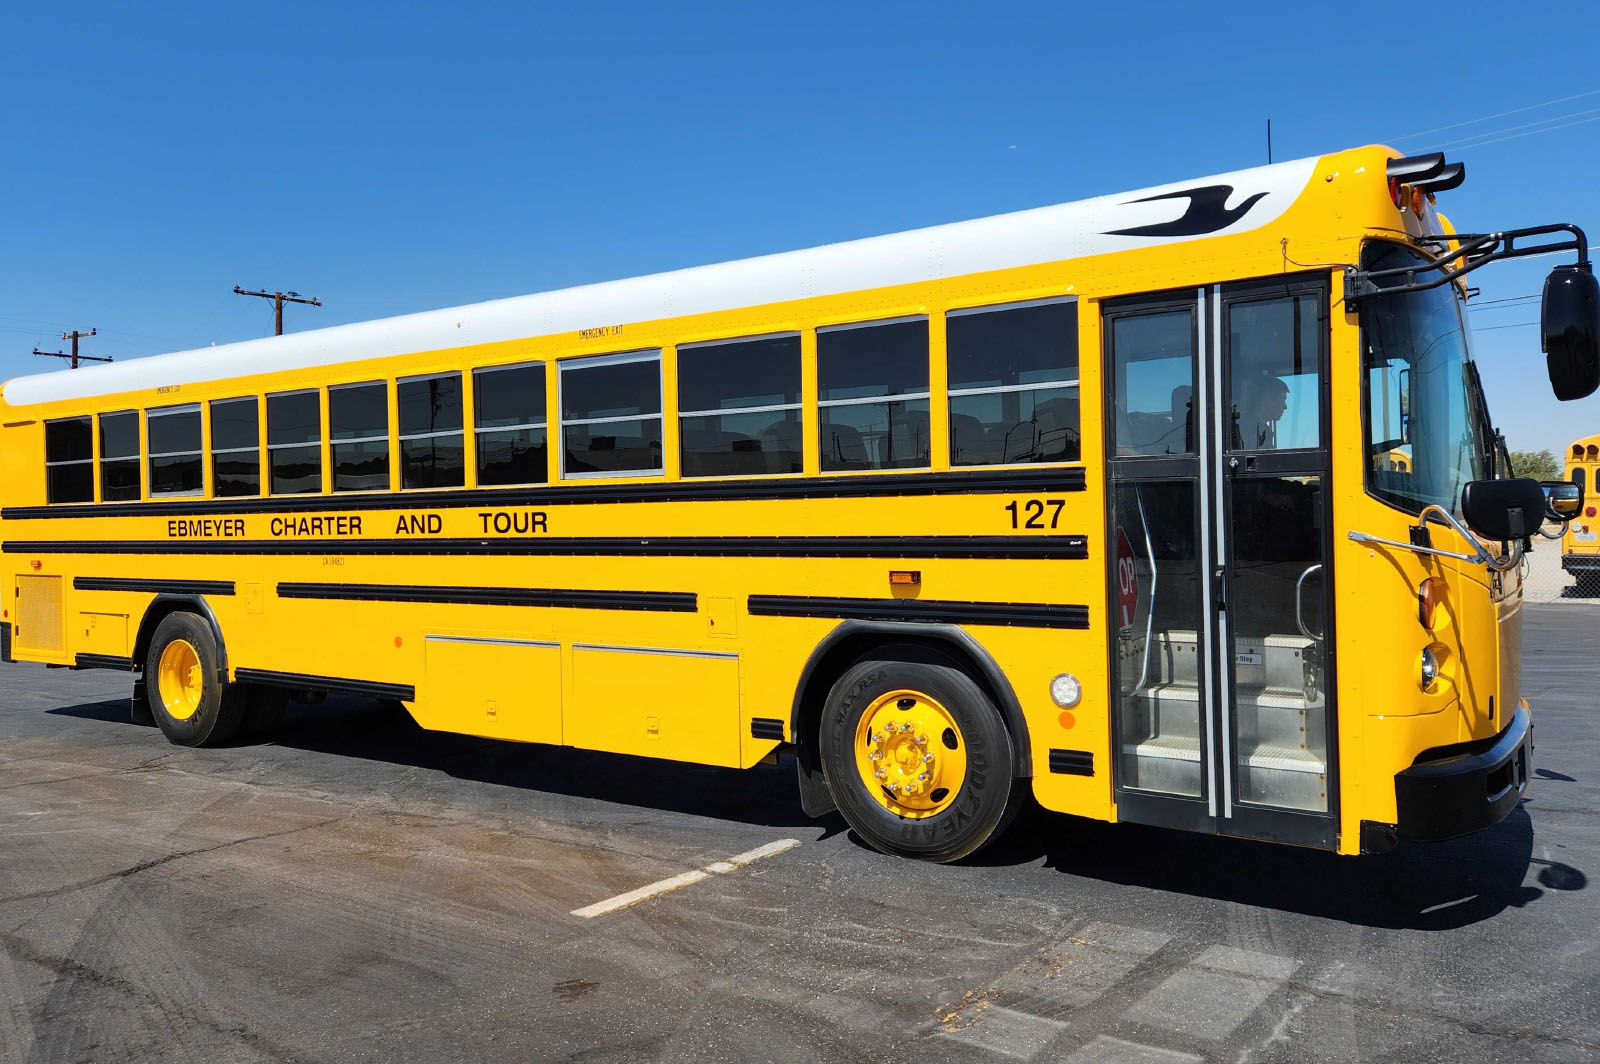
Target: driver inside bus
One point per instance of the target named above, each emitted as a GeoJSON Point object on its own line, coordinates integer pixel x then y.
{"type": "Point", "coordinates": [1262, 401]}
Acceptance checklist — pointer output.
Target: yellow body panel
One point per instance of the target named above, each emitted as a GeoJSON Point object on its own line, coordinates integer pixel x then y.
{"type": "Point", "coordinates": [687, 684]}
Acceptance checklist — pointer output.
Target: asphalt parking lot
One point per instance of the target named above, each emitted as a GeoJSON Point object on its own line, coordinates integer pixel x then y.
{"type": "Point", "coordinates": [361, 890]}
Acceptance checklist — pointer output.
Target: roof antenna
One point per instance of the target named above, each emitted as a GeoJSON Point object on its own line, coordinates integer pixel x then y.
{"type": "Point", "coordinates": [1269, 141]}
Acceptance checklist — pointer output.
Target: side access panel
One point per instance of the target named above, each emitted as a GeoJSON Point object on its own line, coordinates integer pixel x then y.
{"type": "Point", "coordinates": [496, 687]}
{"type": "Point", "coordinates": [681, 705]}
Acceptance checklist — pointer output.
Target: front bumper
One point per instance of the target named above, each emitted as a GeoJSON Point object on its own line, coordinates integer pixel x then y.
{"type": "Point", "coordinates": [1456, 790]}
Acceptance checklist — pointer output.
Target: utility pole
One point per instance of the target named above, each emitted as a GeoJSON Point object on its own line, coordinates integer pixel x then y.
{"type": "Point", "coordinates": [74, 336]}
{"type": "Point", "coordinates": [278, 300]}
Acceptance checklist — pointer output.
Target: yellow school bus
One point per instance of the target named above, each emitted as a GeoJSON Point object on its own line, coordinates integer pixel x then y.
{"type": "Point", "coordinates": [1095, 504]}
{"type": "Point", "coordinates": [1580, 546]}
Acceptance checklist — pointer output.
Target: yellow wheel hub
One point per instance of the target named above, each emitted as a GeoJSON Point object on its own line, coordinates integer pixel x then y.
{"type": "Point", "coordinates": [181, 681]}
{"type": "Point", "coordinates": [911, 754]}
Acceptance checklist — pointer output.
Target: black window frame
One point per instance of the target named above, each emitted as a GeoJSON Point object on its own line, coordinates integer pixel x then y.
{"type": "Point", "coordinates": [952, 393]}
{"type": "Point", "coordinates": [479, 429]}
{"type": "Point", "coordinates": [92, 461]}
{"type": "Point", "coordinates": [619, 358]}
{"type": "Point", "coordinates": [335, 442]}
{"type": "Point", "coordinates": [151, 416]}
{"type": "Point", "coordinates": [797, 407]}
{"type": "Point", "coordinates": [925, 396]}
{"type": "Point", "coordinates": [215, 451]}
{"type": "Point", "coordinates": [321, 438]}
{"type": "Point", "coordinates": [402, 437]}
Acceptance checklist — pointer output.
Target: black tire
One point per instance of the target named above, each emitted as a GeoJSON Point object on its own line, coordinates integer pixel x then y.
{"type": "Point", "coordinates": [222, 707]}
{"type": "Point", "coordinates": [989, 796]}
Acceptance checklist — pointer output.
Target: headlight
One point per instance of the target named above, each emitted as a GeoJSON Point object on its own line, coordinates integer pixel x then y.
{"type": "Point", "coordinates": [1066, 691]}
{"type": "Point", "coordinates": [1430, 668]}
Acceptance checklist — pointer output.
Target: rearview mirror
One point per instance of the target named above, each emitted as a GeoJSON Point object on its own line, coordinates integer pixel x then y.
{"type": "Point", "coordinates": [1503, 509]}
{"type": "Point", "coordinates": [1570, 330]}
{"type": "Point", "coordinates": [1563, 500]}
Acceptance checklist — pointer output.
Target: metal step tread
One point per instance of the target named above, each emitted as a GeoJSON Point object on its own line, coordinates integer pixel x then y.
{"type": "Point", "coordinates": [1265, 696]}
{"type": "Point", "coordinates": [1183, 748]}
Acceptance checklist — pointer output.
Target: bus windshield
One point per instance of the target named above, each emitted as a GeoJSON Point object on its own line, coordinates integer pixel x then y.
{"type": "Point", "coordinates": [1423, 440]}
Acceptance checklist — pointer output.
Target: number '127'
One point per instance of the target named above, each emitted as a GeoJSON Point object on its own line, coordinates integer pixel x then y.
{"type": "Point", "coordinates": [1031, 513]}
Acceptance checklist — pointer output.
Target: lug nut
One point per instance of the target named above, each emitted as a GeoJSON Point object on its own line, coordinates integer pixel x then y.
{"type": "Point", "coordinates": [927, 759]}
{"type": "Point", "coordinates": [922, 740]}
{"type": "Point", "coordinates": [906, 726]}
{"type": "Point", "coordinates": [882, 775]}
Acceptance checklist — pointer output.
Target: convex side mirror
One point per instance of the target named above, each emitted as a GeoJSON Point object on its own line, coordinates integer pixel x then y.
{"type": "Point", "coordinates": [1563, 500]}
{"type": "Point", "coordinates": [1504, 509]}
{"type": "Point", "coordinates": [1569, 326]}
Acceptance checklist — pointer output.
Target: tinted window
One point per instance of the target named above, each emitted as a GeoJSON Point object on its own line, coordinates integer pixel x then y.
{"type": "Point", "coordinates": [176, 461]}
{"type": "Point", "coordinates": [1273, 378]}
{"type": "Point", "coordinates": [611, 415]}
{"type": "Point", "coordinates": [119, 456]}
{"type": "Point", "coordinates": [740, 407]}
{"type": "Point", "coordinates": [1013, 384]}
{"type": "Point", "coordinates": [509, 407]}
{"type": "Point", "coordinates": [610, 389]}
{"type": "Point", "coordinates": [69, 460]}
{"type": "Point", "coordinates": [294, 443]}
{"type": "Point", "coordinates": [236, 447]}
{"type": "Point", "coordinates": [1153, 383]}
{"type": "Point", "coordinates": [432, 447]}
{"type": "Point", "coordinates": [358, 428]}
{"type": "Point", "coordinates": [855, 366]}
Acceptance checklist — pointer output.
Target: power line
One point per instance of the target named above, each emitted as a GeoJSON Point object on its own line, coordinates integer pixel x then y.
{"type": "Point", "coordinates": [73, 355]}
{"type": "Point", "coordinates": [278, 300]}
{"type": "Point", "coordinates": [1492, 328]}
{"type": "Point", "coordinates": [1502, 114]}
{"type": "Point", "coordinates": [1493, 135]}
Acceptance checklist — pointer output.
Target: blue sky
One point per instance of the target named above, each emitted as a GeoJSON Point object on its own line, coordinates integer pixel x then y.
{"type": "Point", "coordinates": [400, 157]}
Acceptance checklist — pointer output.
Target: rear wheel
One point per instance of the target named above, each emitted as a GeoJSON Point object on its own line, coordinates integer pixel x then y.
{"type": "Point", "coordinates": [919, 759]}
{"type": "Point", "coordinates": [190, 705]}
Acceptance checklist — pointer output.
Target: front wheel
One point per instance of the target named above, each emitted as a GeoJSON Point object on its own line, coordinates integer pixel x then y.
{"type": "Point", "coordinates": [919, 759]}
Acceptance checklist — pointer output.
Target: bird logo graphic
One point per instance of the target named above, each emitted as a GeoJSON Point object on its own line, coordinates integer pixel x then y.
{"type": "Point", "coordinates": [1208, 212]}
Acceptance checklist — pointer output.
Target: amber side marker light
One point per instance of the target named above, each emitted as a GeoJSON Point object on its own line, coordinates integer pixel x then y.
{"type": "Point", "coordinates": [905, 577]}
{"type": "Point", "coordinates": [1429, 594]}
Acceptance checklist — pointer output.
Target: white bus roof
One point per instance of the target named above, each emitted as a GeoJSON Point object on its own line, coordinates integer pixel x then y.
{"type": "Point", "coordinates": [1096, 226]}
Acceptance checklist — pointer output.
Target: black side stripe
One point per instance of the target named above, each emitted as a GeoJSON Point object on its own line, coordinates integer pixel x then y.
{"type": "Point", "coordinates": [1020, 546]}
{"type": "Point", "coordinates": [168, 587]}
{"type": "Point", "coordinates": [303, 682]}
{"type": "Point", "coordinates": [1072, 762]}
{"type": "Point", "coordinates": [1013, 614]}
{"type": "Point", "coordinates": [766, 728]}
{"type": "Point", "coordinates": [102, 661]}
{"type": "Point", "coordinates": [661, 601]}
{"type": "Point", "coordinates": [1000, 481]}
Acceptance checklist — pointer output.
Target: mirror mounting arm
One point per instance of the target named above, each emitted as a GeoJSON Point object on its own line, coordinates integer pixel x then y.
{"type": "Point", "coordinates": [1479, 556]}
{"type": "Point", "coordinates": [1472, 250]}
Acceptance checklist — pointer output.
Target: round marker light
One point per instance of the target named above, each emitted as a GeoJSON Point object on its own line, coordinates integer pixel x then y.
{"type": "Point", "coordinates": [1430, 668]}
{"type": "Point", "coordinates": [1588, 511]}
{"type": "Point", "coordinates": [1066, 691]}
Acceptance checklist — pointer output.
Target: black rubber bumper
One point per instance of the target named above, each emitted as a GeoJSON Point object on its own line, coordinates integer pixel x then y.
{"type": "Point", "coordinates": [1456, 790]}
{"type": "Point", "coordinates": [5, 641]}
{"type": "Point", "coordinates": [1581, 563]}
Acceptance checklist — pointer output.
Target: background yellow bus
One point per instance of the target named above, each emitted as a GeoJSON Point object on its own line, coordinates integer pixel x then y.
{"type": "Point", "coordinates": [1580, 546]}
{"type": "Point", "coordinates": [1090, 504]}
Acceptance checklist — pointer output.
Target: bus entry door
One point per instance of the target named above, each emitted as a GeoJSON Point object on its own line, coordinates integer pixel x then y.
{"type": "Point", "coordinates": [1223, 716]}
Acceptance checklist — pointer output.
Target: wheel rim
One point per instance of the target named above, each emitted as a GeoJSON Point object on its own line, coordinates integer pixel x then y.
{"type": "Point", "coordinates": [910, 754]}
{"type": "Point", "coordinates": [180, 680]}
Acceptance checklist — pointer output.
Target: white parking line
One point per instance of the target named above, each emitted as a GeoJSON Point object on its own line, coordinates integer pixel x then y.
{"type": "Point", "coordinates": [683, 879]}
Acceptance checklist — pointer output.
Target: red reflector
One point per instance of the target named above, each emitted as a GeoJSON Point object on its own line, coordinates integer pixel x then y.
{"type": "Point", "coordinates": [1588, 511]}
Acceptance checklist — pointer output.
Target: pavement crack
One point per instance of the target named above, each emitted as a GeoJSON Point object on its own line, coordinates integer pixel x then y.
{"type": "Point", "coordinates": [145, 866]}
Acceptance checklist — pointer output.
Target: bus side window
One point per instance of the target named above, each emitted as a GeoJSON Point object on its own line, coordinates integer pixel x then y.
{"type": "Point", "coordinates": [739, 406]}
{"type": "Point", "coordinates": [119, 456]}
{"type": "Point", "coordinates": [611, 415]}
{"type": "Point", "coordinates": [432, 441]}
{"type": "Point", "coordinates": [1014, 383]}
{"type": "Point", "coordinates": [177, 462]}
{"type": "Point", "coordinates": [358, 436]}
{"type": "Point", "coordinates": [294, 443]}
{"type": "Point", "coordinates": [872, 388]}
{"type": "Point", "coordinates": [236, 447]}
{"type": "Point", "coordinates": [508, 405]}
{"type": "Point", "coordinates": [69, 460]}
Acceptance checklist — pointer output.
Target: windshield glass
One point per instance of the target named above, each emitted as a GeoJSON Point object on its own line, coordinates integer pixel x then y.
{"type": "Point", "coordinates": [1424, 428]}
